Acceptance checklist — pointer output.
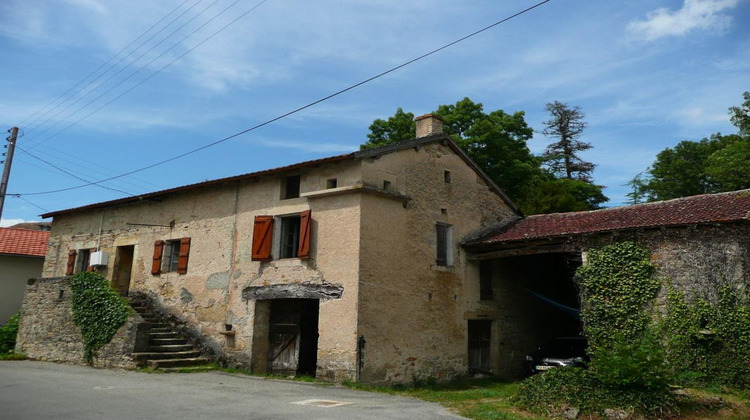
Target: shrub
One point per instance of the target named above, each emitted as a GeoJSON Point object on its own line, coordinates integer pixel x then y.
{"type": "Point", "coordinates": [709, 343]}
{"type": "Point", "coordinates": [551, 392]}
{"type": "Point", "coordinates": [8, 333]}
{"type": "Point", "coordinates": [97, 310]}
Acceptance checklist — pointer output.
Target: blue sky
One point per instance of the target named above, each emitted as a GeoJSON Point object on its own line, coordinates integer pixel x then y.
{"type": "Point", "coordinates": [648, 74]}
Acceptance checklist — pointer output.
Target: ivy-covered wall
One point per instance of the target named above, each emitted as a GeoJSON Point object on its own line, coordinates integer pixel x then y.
{"type": "Point", "coordinates": [47, 332]}
{"type": "Point", "coordinates": [697, 260]}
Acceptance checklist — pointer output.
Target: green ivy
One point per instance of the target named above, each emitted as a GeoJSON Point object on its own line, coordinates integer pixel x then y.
{"type": "Point", "coordinates": [709, 342]}
{"type": "Point", "coordinates": [8, 333]}
{"type": "Point", "coordinates": [97, 310]}
{"type": "Point", "coordinates": [617, 284]}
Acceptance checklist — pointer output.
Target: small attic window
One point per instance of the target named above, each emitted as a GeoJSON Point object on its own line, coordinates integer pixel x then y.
{"type": "Point", "coordinates": [447, 177]}
{"type": "Point", "coordinates": [332, 183]}
{"type": "Point", "coordinates": [290, 187]}
{"type": "Point", "coordinates": [386, 185]}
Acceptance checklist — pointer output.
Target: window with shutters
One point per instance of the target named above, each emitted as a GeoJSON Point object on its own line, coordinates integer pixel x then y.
{"type": "Point", "coordinates": [171, 256]}
{"type": "Point", "coordinates": [281, 237]}
{"type": "Point", "coordinates": [444, 241]}
{"type": "Point", "coordinates": [82, 260]}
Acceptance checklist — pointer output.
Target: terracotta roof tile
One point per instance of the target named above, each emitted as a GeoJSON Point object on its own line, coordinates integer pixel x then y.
{"type": "Point", "coordinates": [23, 242]}
{"type": "Point", "coordinates": [707, 208]}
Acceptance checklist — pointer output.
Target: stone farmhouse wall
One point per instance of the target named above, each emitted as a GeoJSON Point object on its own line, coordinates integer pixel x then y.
{"type": "Point", "coordinates": [47, 332]}
{"type": "Point", "coordinates": [373, 238]}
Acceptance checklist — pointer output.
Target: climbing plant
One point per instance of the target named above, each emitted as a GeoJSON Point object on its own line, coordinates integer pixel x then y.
{"type": "Point", "coordinates": [617, 284]}
{"type": "Point", "coordinates": [97, 310]}
{"type": "Point", "coordinates": [709, 342]}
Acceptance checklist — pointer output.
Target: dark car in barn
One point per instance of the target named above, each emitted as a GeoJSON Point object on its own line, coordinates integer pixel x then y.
{"type": "Point", "coordinates": [559, 352]}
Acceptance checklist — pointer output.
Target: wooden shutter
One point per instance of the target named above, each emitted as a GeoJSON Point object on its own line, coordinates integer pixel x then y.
{"type": "Point", "coordinates": [182, 262]}
{"type": "Point", "coordinates": [71, 262]}
{"type": "Point", "coordinates": [304, 235]}
{"type": "Point", "coordinates": [156, 263]}
{"type": "Point", "coordinates": [262, 234]}
{"type": "Point", "coordinates": [90, 267]}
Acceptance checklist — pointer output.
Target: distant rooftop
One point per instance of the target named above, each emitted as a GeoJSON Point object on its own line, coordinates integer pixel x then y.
{"type": "Point", "coordinates": [700, 209]}
{"type": "Point", "coordinates": [32, 243]}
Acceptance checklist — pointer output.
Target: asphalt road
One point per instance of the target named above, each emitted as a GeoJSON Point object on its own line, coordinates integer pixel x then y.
{"type": "Point", "coordinates": [39, 390]}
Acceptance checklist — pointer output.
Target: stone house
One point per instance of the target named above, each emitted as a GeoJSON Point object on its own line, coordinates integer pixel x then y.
{"type": "Point", "coordinates": [348, 267]}
{"type": "Point", "coordinates": [697, 244]}
{"type": "Point", "coordinates": [22, 254]}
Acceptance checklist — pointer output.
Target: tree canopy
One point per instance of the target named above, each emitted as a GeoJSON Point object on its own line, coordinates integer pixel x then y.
{"type": "Point", "coordinates": [711, 165]}
{"type": "Point", "coordinates": [496, 141]}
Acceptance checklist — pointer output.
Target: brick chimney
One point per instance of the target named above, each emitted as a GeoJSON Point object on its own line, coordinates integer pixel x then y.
{"type": "Point", "coordinates": [428, 125]}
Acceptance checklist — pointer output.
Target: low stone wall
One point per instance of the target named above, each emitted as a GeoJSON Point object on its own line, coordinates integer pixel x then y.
{"type": "Point", "coordinates": [47, 332]}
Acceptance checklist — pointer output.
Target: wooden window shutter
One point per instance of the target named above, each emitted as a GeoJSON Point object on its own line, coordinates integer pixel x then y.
{"type": "Point", "coordinates": [71, 262]}
{"type": "Point", "coordinates": [305, 221]}
{"type": "Point", "coordinates": [262, 234]}
{"type": "Point", "coordinates": [182, 262]}
{"type": "Point", "coordinates": [90, 267]}
{"type": "Point", "coordinates": [156, 263]}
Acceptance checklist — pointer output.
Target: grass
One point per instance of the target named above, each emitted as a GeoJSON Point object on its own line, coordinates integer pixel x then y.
{"type": "Point", "coordinates": [13, 356]}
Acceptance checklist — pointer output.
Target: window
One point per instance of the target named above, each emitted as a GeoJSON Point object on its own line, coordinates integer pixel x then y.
{"type": "Point", "coordinates": [290, 187]}
{"type": "Point", "coordinates": [78, 260]}
{"type": "Point", "coordinates": [447, 177]}
{"type": "Point", "coordinates": [444, 236]}
{"type": "Point", "coordinates": [171, 255]}
{"type": "Point", "coordinates": [332, 183]}
{"type": "Point", "coordinates": [293, 237]}
{"type": "Point", "coordinates": [485, 280]}
{"type": "Point", "coordinates": [386, 185]}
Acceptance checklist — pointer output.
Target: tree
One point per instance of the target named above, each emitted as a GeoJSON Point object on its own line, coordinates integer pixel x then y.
{"type": "Point", "coordinates": [715, 164]}
{"type": "Point", "coordinates": [497, 143]}
{"type": "Point", "coordinates": [399, 127]}
{"type": "Point", "coordinates": [740, 116]}
{"type": "Point", "coordinates": [567, 125]}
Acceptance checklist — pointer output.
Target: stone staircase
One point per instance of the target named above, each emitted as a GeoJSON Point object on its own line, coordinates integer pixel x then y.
{"type": "Point", "coordinates": [167, 350]}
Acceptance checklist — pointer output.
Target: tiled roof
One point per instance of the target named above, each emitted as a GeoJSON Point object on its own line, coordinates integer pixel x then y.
{"type": "Point", "coordinates": [708, 208]}
{"type": "Point", "coordinates": [23, 242]}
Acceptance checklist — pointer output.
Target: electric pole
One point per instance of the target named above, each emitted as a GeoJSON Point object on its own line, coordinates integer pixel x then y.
{"type": "Point", "coordinates": [6, 169]}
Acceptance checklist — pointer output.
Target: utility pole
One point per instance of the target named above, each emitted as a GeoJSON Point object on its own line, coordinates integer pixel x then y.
{"type": "Point", "coordinates": [6, 169]}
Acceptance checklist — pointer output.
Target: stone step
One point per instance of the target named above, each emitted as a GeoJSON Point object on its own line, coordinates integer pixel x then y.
{"type": "Point", "coordinates": [145, 356]}
{"type": "Point", "coordinates": [166, 341]}
{"type": "Point", "coordinates": [151, 319]}
{"type": "Point", "coordinates": [164, 334]}
{"type": "Point", "coordinates": [191, 361]}
{"type": "Point", "coordinates": [189, 369]}
{"type": "Point", "coordinates": [169, 348]}
{"type": "Point", "coordinates": [160, 329]}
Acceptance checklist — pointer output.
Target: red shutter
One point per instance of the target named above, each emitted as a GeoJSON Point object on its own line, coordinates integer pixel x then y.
{"type": "Point", "coordinates": [71, 262]}
{"type": "Point", "coordinates": [182, 262]}
{"type": "Point", "coordinates": [156, 263]}
{"type": "Point", "coordinates": [304, 235]}
{"type": "Point", "coordinates": [90, 267]}
{"type": "Point", "coordinates": [262, 234]}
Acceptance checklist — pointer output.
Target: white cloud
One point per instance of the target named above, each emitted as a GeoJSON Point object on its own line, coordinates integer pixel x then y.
{"type": "Point", "coordinates": [694, 14]}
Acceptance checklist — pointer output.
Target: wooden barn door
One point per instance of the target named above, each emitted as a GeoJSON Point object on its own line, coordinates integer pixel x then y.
{"type": "Point", "coordinates": [292, 341]}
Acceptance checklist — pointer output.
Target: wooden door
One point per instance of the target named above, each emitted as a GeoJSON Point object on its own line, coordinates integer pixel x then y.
{"type": "Point", "coordinates": [480, 334]}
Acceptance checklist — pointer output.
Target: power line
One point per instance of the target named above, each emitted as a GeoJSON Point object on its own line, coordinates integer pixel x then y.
{"type": "Point", "coordinates": [107, 62]}
{"type": "Point", "coordinates": [39, 207]}
{"type": "Point", "coordinates": [98, 184]}
{"type": "Point", "coordinates": [138, 70]}
{"type": "Point", "coordinates": [301, 108]}
{"type": "Point", "coordinates": [155, 73]}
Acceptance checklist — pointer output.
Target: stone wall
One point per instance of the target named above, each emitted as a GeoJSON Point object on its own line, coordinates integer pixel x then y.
{"type": "Point", "coordinates": [47, 331]}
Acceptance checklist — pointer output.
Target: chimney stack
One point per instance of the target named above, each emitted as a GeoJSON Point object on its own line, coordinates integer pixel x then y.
{"type": "Point", "coordinates": [428, 125]}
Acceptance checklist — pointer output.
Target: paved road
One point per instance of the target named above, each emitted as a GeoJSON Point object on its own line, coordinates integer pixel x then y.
{"type": "Point", "coordinates": [39, 390]}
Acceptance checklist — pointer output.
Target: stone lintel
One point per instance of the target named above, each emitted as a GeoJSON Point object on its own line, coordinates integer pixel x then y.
{"type": "Point", "coordinates": [293, 291]}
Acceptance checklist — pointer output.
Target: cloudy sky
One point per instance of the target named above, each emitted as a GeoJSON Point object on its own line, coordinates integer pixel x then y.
{"type": "Point", "coordinates": [101, 88]}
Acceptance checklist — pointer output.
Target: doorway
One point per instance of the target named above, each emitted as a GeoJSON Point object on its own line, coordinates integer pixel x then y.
{"type": "Point", "coordinates": [293, 337]}
{"type": "Point", "coordinates": [123, 269]}
{"type": "Point", "coordinates": [480, 334]}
